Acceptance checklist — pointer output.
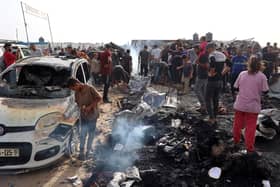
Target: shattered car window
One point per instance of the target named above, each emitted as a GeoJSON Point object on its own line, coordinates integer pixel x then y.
{"type": "Point", "coordinates": [35, 81]}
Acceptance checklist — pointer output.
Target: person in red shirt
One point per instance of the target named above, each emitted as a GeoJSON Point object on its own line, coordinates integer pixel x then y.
{"type": "Point", "coordinates": [202, 46]}
{"type": "Point", "coordinates": [9, 57]}
{"type": "Point", "coordinates": [106, 71]}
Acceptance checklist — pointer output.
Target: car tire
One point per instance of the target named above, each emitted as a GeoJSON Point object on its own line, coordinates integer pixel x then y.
{"type": "Point", "coordinates": [74, 142]}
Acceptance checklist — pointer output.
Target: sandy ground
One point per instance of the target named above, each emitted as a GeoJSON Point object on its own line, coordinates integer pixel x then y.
{"type": "Point", "coordinates": [56, 174]}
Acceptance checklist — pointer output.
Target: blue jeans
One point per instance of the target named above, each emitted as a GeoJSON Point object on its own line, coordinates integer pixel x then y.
{"type": "Point", "coordinates": [200, 90]}
{"type": "Point", "coordinates": [87, 131]}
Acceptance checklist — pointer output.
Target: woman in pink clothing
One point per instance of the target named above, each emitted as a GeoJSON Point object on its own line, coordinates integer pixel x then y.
{"type": "Point", "coordinates": [251, 85]}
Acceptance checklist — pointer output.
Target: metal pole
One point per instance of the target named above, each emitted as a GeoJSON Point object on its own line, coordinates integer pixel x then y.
{"type": "Point", "coordinates": [50, 30]}
{"type": "Point", "coordinates": [25, 24]}
{"type": "Point", "coordinates": [17, 34]}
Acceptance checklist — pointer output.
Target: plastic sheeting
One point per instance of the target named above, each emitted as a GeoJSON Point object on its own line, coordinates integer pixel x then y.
{"type": "Point", "coordinates": [125, 179]}
{"type": "Point", "coordinates": [154, 98]}
{"type": "Point", "coordinates": [268, 123]}
{"type": "Point", "coordinates": [138, 84]}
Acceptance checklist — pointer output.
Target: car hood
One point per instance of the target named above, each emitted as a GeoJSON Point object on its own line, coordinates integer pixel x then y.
{"type": "Point", "coordinates": [26, 112]}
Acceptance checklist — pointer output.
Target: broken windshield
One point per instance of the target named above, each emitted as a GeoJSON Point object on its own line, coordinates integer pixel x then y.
{"type": "Point", "coordinates": [35, 81]}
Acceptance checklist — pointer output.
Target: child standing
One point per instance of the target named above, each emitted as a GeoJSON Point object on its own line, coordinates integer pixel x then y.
{"type": "Point", "coordinates": [247, 105]}
{"type": "Point", "coordinates": [187, 73]}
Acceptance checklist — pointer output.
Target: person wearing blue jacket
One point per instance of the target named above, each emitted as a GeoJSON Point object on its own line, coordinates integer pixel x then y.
{"type": "Point", "coordinates": [239, 64]}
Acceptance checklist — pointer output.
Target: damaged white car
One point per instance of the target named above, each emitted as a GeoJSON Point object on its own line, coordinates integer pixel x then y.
{"type": "Point", "coordinates": [39, 120]}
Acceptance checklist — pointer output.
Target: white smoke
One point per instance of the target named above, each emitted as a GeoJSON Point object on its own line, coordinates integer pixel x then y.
{"type": "Point", "coordinates": [134, 52]}
{"type": "Point", "coordinates": [129, 133]}
{"type": "Point", "coordinates": [127, 136]}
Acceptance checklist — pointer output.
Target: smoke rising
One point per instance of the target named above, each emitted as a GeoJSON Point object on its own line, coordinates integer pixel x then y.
{"type": "Point", "coordinates": [127, 136]}
{"type": "Point", "coordinates": [128, 132]}
{"type": "Point", "coordinates": [134, 52]}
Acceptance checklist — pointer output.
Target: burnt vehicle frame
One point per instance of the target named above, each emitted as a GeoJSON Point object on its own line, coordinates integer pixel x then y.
{"type": "Point", "coordinates": [39, 120]}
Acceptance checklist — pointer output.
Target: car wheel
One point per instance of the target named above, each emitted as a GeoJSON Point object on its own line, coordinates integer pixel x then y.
{"type": "Point", "coordinates": [74, 142]}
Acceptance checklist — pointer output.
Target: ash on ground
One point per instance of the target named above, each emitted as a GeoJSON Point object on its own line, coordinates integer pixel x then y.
{"type": "Point", "coordinates": [170, 147]}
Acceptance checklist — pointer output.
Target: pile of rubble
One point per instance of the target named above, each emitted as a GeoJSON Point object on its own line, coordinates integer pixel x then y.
{"type": "Point", "coordinates": [268, 125]}
{"type": "Point", "coordinates": [187, 151]}
{"type": "Point", "coordinates": [152, 144]}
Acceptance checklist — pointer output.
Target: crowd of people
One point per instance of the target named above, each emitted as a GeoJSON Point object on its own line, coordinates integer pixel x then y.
{"type": "Point", "coordinates": [205, 67]}
{"type": "Point", "coordinates": [209, 69]}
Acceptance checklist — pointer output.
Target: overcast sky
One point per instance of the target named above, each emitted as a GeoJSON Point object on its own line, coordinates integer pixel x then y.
{"type": "Point", "coordinates": [122, 20]}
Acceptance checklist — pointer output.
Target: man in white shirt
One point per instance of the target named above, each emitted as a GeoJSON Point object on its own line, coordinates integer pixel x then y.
{"type": "Point", "coordinates": [35, 52]}
{"type": "Point", "coordinates": [155, 52]}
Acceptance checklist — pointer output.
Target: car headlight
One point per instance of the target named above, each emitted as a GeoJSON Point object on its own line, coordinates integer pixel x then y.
{"type": "Point", "coordinates": [46, 124]}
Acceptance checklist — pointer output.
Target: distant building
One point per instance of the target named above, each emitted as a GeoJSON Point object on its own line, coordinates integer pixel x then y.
{"type": "Point", "coordinates": [209, 37]}
{"type": "Point", "coordinates": [195, 37]}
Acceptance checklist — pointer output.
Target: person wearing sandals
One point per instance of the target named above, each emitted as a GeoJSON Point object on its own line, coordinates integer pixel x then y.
{"type": "Point", "coordinates": [217, 68]}
{"type": "Point", "coordinates": [251, 84]}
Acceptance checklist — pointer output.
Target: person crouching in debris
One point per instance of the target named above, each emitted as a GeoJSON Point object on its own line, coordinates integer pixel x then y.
{"type": "Point", "coordinates": [120, 76]}
{"type": "Point", "coordinates": [247, 105]}
{"type": "Point", "coordinates": [187, 73]}
{"type": "Point", "coordinates": [87, 99]}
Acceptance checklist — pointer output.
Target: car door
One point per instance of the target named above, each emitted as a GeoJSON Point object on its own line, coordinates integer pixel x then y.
{"type": "Point", "coordinates": [79, 74]}
{"type": "Point", "coordinates": [10, 75]}
{"type": "Point", "coordinates": [86, 71]}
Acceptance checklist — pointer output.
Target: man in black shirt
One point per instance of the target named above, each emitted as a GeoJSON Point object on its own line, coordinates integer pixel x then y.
{"type": "Point", "coordinates": [265, 49]}
{"type": "Point", "coordinates": [143, 60]}
{"type": "Point", "coordinates": [216, 71]}
{"type": "Point", "coordinates": [270, 59]}
{"type": "Point", "coordinates": [164, 54]}
{"type": "Point", "coordinates": [127, 62]}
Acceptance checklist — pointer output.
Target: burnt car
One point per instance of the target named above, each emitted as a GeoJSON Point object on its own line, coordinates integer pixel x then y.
{"type": "Point", "coordinates": [39, 120]}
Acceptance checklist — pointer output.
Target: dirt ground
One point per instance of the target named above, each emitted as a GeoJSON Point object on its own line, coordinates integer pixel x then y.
{"type": "Point", "coordinates": [56, 175]}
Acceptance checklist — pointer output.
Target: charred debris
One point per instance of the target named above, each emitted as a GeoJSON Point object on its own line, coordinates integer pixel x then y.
{"type": "Point", "coordinates": [153, 145]}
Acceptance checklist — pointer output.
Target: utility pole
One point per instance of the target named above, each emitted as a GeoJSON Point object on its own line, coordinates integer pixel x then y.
{"type": "Point", "coordinates": [25, 24]}
{"type": "Point", "coordinates": [50, 29]}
